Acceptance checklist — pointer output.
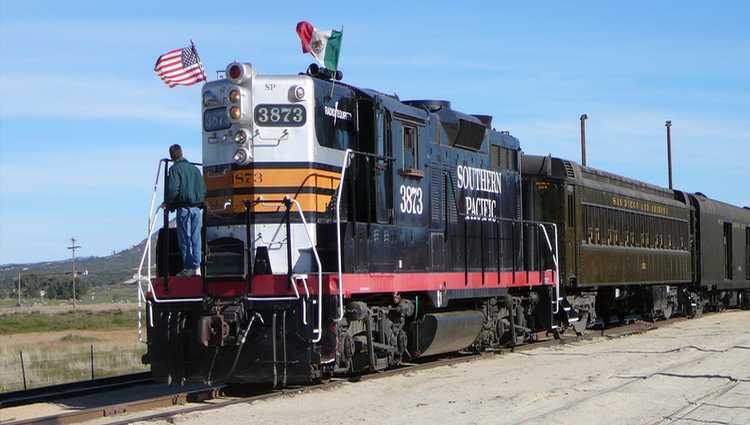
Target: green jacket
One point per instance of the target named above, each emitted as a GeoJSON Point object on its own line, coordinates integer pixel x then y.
{"type": "Point", "coordinates": [186, 187]}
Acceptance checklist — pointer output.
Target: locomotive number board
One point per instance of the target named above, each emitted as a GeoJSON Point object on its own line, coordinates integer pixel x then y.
{"type": "Point", "coordinates": [272, 115]}
{"type": "Point", "coordinates": [216, 119]}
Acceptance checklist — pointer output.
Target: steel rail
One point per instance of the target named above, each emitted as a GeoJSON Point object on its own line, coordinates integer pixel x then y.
{"type": "Point", "coordinates": [72, 389]}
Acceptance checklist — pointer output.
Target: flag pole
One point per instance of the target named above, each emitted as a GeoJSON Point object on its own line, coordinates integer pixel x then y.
{"type": "Point", "coordinates": [200, 61]}
{"type": "Point", "coordinates": [337, 63]}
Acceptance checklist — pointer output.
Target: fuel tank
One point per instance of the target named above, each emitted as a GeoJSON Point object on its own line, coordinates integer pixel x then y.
{"type": "Point", "coordinates": [446, 332]}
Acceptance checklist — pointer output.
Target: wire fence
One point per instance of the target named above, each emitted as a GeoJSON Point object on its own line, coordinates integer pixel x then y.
{"type": "Point", "coordinates": [39, 367]}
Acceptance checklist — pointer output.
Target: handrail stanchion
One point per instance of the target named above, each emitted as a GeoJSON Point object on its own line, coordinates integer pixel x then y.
{"type": "Point", "coordinates": [248, 239]}
{"type": "Point", "coordinates": [320, 272]}
{"type": "Point", "coordinates": [165, 228]}
{"type": "Point", "coordinates": [319, 328]}
{"type": "Point", "coordinates": [557, 271]}
{"type": "Point", "coordinates": [146, 254]}
{"type": "Point", "coordinates": [288, 205]}
{"type": "Point", "coordinates": [146, 257]}
{"type": "Point", "coordinates": [204, 247]}
{"type": "Point", "coordinates": [557, 265]}
{"type": "Point", "coordinates": [344, 165]}
{"type": "Point", "coordinates": [147, 251]}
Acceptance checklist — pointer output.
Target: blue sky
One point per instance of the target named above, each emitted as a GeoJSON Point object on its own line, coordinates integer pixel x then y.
{"type": "Point", "coordinates": [83, 119]}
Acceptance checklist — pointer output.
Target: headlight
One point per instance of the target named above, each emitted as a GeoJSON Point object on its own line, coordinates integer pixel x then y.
{"type": "Point", "coordinates": [242, 156]}
{"type": "Point", "coordinates": [234, 96]}
{"type": "Point", "coordinates": [235, 71]}
{"type": "Point", "coordinates": [234, 112]}
{"type": "Point", "coordinates": [209, 98]}
{"type": "Point", "coordinates": [298, 93]}
{"type": "Point", "coordinates": [240, 137]}
{"type": "Point", "coordinates": [239, 72]}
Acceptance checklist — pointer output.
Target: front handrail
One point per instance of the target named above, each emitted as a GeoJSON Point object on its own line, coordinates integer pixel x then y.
{"type": "Point", "coordinates": [147, 250]}
{"type": "Point", "coordinates": [320, 271]}
{"type": "Point", "coordinates": [557, 265]}
{"type": "Point", "coordinates": [554, 251]}
{"type": "Point", "coordinates": [146, 257]}
{"type": "Point", "coordinates": [344, 165]}
{"type": "Point", "coordinates": [319, 329]}
{"type": "Point", "coordinates": [146, 253]}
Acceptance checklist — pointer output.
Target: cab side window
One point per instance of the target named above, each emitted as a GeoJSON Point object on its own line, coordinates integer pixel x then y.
{"type": "Point", "coordinates": [410, 146]}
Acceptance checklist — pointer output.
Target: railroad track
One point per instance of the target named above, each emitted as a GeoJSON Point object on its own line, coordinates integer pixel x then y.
{"type": "Point", "coordinates": [73, 389]}
{"type": "Point", "coordinates": [222, 396]}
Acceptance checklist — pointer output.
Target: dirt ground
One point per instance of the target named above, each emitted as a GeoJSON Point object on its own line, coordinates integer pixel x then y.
{"type": "Point", "coordinates": [690, 372]}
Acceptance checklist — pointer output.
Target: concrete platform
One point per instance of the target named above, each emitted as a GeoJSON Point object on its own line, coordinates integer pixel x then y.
{"type": "Point", "coordinates": [689, 372]}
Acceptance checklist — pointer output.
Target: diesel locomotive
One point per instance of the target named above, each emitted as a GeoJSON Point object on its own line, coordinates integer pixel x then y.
{"type": "Point", "coordinates": [347, 230]}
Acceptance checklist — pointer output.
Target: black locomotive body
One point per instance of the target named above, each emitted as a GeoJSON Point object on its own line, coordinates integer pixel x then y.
{"type": "Point", "coordinates": [367, 232]}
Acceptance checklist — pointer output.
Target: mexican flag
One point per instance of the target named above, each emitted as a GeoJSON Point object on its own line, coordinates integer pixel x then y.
{"type": "Point", "coordinates": [324, 46]}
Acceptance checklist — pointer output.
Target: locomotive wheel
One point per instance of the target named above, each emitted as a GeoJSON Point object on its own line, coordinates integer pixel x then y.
{"type": "Point", "coordinates": [580, 326]}
{"type": "Point", "coordinates": [667, 312]}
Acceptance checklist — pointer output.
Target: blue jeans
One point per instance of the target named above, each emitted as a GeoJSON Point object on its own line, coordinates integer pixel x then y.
{"type": "Point", "coordinates": [189, 236]}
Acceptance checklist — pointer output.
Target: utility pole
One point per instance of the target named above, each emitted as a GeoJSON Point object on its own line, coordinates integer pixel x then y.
{"type": "Point", "coordinates": [21, 270]}
{"type": "Point", "coordinates": [584, 117]}
{"type": "Point", "coordinates": [73, 248]}
{"type": "Point", "coordinates": [668, 124]}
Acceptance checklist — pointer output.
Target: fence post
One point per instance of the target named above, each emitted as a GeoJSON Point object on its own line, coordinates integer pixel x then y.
{"type": "Point", "coordinates": [92, 362]}
{"type": "Point", "coordinates": [23, 370]}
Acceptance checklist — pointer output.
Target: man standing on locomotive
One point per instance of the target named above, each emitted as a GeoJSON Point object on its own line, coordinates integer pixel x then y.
{"type": "Point", "coordinates": [186, 192]}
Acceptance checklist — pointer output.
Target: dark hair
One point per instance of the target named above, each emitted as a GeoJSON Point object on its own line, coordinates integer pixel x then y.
{"type": "Point", "coordinates": [175, 152]}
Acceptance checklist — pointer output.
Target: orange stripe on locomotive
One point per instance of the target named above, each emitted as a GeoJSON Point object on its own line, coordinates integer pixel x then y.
{"type": "Point", "coordinates": [313, 188]}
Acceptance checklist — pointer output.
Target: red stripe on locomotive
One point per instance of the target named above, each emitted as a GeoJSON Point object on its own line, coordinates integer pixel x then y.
{"type": "Point", "coordinates": [354, 284]}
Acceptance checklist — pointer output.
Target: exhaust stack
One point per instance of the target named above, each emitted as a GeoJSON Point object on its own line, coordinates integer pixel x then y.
{"type": "Point", "coordinates": [584, 117]}
{"type": "Point", "coordinates": [668, 124]}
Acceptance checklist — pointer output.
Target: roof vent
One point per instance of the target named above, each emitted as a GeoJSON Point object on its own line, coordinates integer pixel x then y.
{"type": "Point", "coordinates": [486, 120]}
{"type": "Point", "coordinates": [430, 105]}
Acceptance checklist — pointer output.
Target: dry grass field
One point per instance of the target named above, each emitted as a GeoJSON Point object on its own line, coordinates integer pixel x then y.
{"type": "Point", "coordinates": [57, 346]}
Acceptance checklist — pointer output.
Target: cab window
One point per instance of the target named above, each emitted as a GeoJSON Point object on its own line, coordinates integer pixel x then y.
{"type": "Point", "coordinates": [410, 146]}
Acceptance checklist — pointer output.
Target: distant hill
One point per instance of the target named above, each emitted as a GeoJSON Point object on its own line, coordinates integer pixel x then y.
{"type": "Point", "coordinates": [118, 268]}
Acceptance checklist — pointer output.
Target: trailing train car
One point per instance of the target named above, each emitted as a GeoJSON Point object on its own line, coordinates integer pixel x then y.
{"type": "Point", "coordinates": [629, 247]}
{"type": "Point", "coordinates": [347, 230]}
{"type": "Point", "coordinates": [626, 245]}
{"type": "Point", "coordinates": [723, 252]}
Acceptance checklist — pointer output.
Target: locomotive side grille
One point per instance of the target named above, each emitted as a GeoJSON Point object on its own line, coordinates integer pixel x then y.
{"type": "Point", "coordinates": [451, 192]}
{"type": "Point", "coordinates": [569, 171]}
{"type": "Point", "coordinates": [437, 195]}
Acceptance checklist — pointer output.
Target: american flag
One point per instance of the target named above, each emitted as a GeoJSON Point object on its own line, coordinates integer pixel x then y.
{"type": "Point", "coordinates": [180, 67]}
